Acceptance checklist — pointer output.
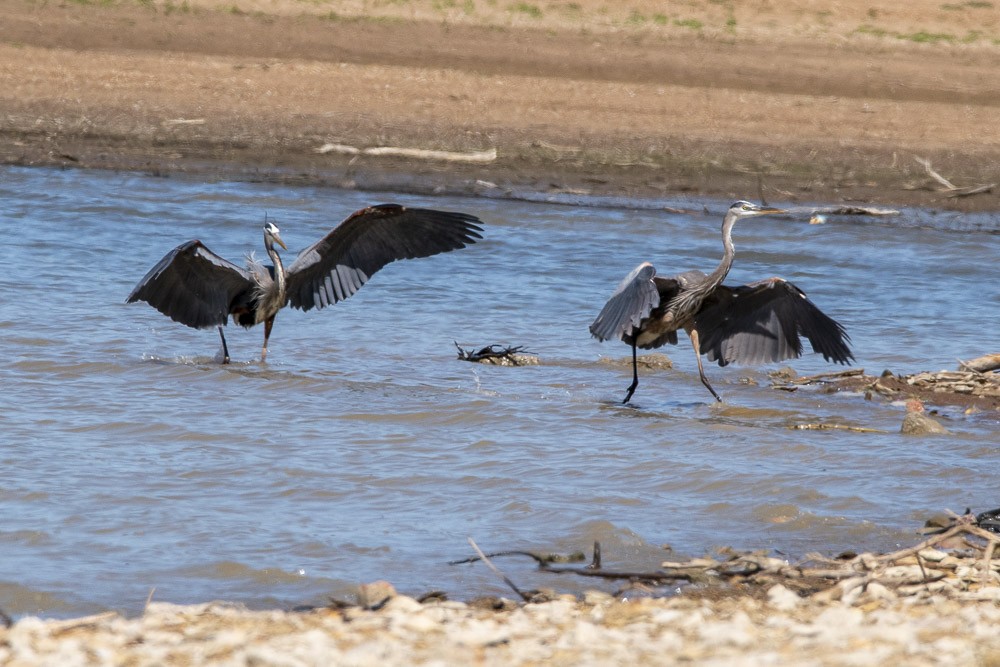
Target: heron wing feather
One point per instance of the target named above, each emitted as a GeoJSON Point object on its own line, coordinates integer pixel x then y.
{"type": "Point", "coordinates": [192, 285]}
{"type": "Point", "coordinates": [632, 302]}
{"type": "Point", "coordinates": [764, 322]}
{"type": "Point", "coordinates": [335, 267]}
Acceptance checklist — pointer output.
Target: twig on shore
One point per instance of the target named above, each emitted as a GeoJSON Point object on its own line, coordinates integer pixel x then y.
{"type": "Point", "coordinates": [497, 571]}
{"type": "Point", "coordinates": [961, 569]}
{"type": "Point", "coordinates": [594, 569]}
{"type": "Point", "coordinates": [844, 210]}
{"type": "Point", "coordinates": [419, 153]}
{"type": "Point", "coordinates": [983, 364]}
{"type": "Point", "coordinates": [950, 188]}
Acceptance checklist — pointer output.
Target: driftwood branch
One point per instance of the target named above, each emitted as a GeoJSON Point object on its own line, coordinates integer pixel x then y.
{"type": "Point", "coordinates": [958, 560]}
{"type": "Point", "coordinates": [983, 364]}
{"type": "Point", "coordinates": [950, 188]}
{"type": "Point", "coordinates": [822, 426]}
{"type": "Point", "coordinates": [419, 153]}
{"type": "Point", "coordinates": [843, 210]}
{"type": "Point", "coordinates": [594, 569]}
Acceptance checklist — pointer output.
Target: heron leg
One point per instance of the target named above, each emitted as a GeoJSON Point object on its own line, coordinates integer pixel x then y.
{"type": "Point", "coordinates": [635, 377]}
{"type": "Point", "coordinates": [268, 323]}
{"type": "Point", "coordinates": [693, 334]}
{"type": "Point", "coordinates": [225, 348]}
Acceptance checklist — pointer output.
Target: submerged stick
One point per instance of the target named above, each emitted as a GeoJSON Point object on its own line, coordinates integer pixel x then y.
{"type": "Point", "coordinates": [497, 571]}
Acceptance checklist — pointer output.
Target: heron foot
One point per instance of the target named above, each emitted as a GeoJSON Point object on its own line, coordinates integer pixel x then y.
{"type": "Point", "coordinates": [709, 387]}
{"type": "Point", "coordinates": [629, 392]}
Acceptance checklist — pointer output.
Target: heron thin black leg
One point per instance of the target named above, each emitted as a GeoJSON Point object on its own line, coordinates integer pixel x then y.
{"type": "Point", "coordinates": [635, 377]}
{"type": "Point", "coordinates": [225, 348]}
{"type": "Point", "coordinates": [268, 323]}
{"type": "Point", "coordinates": [693, 334]}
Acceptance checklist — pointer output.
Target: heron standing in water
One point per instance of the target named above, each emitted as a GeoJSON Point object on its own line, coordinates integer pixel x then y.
{"type": "Point", "coordinates": [750, 324]}
{"type": "Point", "coordinates": [194, 286]}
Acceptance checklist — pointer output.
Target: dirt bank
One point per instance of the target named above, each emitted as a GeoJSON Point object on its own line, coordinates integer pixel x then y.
{"type": "Point", "coordinates": [801, 104]}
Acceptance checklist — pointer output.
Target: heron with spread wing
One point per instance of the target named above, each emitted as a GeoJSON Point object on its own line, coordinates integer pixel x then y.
{"type": "Point", "coordinates": [194, 286]}
{"type": "Point", "coordinates": [757, 323]}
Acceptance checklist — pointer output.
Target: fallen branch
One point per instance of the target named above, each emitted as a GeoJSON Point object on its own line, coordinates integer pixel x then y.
{"type": "Point", "coordinates": [497, 571]}
{"type": "Point", "coordinates": [822, 378]}
{"type": "Point", "coordinates": [988, 362]}
{"type": "Point", "coordinates": [594, 569]}
{"type": "Point", "coordinates": [952, 189]}
{"type": "Point", "coordinates": [844, 210]}
{"type": "Point", "coordinates": [958, 560]}
{"type": "Point", "coordinates": [419, 153]}
{"type": "Point", "coordinates": [834, 427]}
{"type": "Point", "coordinates": [497, 354]}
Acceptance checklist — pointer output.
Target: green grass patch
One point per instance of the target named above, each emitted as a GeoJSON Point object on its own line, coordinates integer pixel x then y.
{"type": "Point", "coordinates": [171, 7]}
{"type": "Point", "coordinates": [924, 37]}
{"type": "Point", "coordinates": [693, 24]}
{"type": "Point", "coordinates": [919, 37]}
{"type": "Point", "coordinates": [534, 11]}
{"type": "Point", "coordinates": [636, 18]}
{"type": "Point", "coordinates": [972, 4]}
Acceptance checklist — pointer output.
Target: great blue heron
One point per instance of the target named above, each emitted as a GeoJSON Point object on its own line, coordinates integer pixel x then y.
{"type": "Point", "coordinates": [751, 324]}
{"type": "Point", "coordinates": [194, 286]}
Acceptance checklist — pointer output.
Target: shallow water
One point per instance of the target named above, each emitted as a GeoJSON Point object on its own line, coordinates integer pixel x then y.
{"type": "Point", "coordinates": [133, 463]}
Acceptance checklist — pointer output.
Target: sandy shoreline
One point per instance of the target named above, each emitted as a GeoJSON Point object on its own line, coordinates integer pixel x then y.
{"type": "Point", "coordinates": [790, 102]}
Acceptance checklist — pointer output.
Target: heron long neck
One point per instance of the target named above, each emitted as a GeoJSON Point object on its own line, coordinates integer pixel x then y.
{"type": "Point", "coordinates": [716, 277]}
{"type": "Point", "coordinates": [279, 268]}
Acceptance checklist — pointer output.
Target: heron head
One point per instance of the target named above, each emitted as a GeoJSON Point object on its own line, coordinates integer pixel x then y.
{"type": "Point", "coordinates": [746, 209]}
{"type": "Point", "coordinates": [272, 234]}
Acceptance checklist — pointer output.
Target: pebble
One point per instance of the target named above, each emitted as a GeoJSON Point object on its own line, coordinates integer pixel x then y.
{"type": "Point", "coordinates": [782, 599]}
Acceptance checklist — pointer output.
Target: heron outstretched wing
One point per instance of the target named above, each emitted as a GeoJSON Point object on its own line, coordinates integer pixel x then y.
{"type": "Point", "coordinates": [194, 286]}
{"type": "Point", "coordinates": [633, 301]}
{"type": "Point", "coordinates": [764, 322]}
{"type": "Point", "coordinates": [336, 266]}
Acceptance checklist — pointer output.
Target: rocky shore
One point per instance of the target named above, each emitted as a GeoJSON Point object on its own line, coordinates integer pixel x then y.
{"type": "Point", "coordinates": [780, 629]}
{"type": "Point", "coordinates": [936, 603]}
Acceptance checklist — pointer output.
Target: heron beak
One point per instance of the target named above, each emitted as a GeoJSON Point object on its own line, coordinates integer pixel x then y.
{"type": "Point", "coordinates": [277, 239]}
{"type": "Point", "coordinates": [769, 211]}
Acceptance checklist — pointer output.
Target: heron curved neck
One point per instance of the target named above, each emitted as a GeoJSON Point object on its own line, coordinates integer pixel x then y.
{"type": "Point", "coordinates": [716, 277]}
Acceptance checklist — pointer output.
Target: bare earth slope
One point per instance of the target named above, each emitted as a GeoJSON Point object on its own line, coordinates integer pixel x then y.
{"type": "Point", "coordinates": [784, 98]}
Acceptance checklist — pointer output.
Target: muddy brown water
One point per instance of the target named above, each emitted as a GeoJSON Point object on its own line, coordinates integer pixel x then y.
{"type": "Point", "coordinates": [363, 449]}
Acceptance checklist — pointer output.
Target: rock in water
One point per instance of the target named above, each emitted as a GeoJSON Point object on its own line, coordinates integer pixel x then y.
{"type": "Point", "coordinates": [917, 423]}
